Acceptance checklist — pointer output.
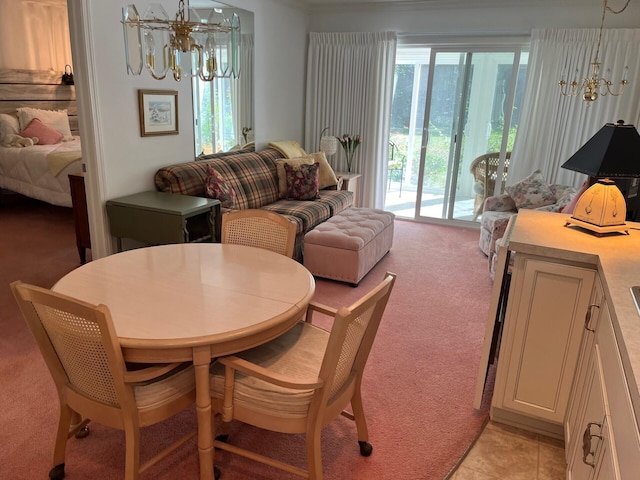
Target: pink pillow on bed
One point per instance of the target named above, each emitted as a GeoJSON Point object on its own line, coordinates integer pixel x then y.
{"type": "Point", "coordinates": [46, 135]}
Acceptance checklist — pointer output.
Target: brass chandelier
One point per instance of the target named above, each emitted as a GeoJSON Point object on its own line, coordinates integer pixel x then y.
{"type": "Point", "coordinates": [594, 86]}
{"type": "Point", "coordinates": [188, 46]}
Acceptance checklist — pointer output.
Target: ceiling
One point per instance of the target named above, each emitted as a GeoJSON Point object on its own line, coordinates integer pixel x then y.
{"type": "Point", "coordinates": [333, 6]}
{"type": "Point", "coordinates": [439, 3]}
{"type": "Point", "coordinates": [324, 4]}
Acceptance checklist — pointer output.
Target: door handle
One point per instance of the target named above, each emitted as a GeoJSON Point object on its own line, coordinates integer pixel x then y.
{"type": "Point", "coordinates": [586, 444]}
{"type": "Point", "coordinates": [587, 317]}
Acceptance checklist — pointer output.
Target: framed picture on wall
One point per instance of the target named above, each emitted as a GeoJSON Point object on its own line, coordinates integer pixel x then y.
{"type": "Point", "coordinates": [158, 112]}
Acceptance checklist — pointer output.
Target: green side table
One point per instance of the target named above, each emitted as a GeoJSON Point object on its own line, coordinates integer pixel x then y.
{"type": "Point", "coordinates": [158, 218]}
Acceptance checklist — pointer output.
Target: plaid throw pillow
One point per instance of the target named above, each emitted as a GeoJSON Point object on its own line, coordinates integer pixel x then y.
{"type": "Point", "coordinates": [302, 181]}
{"type": "Point", "coordinates": [216, 187]}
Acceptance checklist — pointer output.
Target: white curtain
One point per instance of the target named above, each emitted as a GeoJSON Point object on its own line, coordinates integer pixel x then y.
{"type": "Point", "coordinates": [34, 35]}
{"type": "Point", "coordinates": [349, 90]}
{"type": "Point", "coordinates": [553, 127]}
{"type": "Point", "coordinates": [242, 90]}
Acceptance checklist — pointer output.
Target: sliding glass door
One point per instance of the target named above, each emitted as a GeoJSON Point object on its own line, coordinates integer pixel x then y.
{"type": "Point", "coordinates": [450, 107]}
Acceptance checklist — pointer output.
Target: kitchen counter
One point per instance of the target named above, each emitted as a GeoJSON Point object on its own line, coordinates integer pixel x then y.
{"type": "Point", "coordinates": [617, 259]}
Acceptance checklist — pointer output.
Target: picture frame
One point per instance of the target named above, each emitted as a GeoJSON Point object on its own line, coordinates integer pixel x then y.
{"type": "Point", "coordinates": [158, 112]}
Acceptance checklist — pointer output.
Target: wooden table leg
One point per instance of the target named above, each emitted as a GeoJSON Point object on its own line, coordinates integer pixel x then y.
{"type": "Point", "coordinates": [201, 360]}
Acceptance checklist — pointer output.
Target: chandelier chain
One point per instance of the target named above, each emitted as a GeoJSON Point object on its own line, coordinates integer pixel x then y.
{"type": "Point", "coordinates": [593, 86]}
{"type": "Point", "coordinates": [604, 12]}
{"type": "Point", "coordinates": [615, 12]}
{"type": "Point", "coordinates": [180, 14]}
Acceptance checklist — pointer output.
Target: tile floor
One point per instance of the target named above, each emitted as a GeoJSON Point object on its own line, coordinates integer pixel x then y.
{"type": "Point", "coordinates": [507, 453]}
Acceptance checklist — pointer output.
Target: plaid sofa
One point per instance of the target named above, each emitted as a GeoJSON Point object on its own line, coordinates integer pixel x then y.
{"type": "Point", "coordinates": [254, 178]}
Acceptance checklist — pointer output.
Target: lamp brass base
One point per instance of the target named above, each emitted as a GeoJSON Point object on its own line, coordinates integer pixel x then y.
{"type": "Point", "coordinates": [597, 229]}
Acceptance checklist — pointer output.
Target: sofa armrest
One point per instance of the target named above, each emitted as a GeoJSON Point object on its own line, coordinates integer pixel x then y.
{"type": "Point", "coordinates": [499, 203]}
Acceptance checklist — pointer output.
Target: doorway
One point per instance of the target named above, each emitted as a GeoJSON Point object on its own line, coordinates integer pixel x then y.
{"type": "Point", "coordinates": [450, 106]}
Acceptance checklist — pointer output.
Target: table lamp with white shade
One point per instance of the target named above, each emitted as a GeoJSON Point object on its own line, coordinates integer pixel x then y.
{"type": "Point", "coordinates": [328, 143]}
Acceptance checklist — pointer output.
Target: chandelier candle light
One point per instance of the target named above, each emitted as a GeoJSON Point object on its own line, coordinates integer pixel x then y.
{"type": "Point", "coordinates": [188, 46]}
{"type": "Point", "coordinates": [594, 86]}
{"type": "Point", "coordinates": [349, 143]}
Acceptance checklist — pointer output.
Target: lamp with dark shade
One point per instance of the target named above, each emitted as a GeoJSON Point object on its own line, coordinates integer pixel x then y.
{"type": "Point", "coordinates": [614, 151]}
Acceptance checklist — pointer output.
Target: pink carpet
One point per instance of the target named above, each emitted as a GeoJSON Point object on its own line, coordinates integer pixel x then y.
{"type": "Point", "coordinates": [418, 387]}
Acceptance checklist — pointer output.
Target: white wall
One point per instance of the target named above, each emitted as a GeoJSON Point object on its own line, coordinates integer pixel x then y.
{"type": "Point", "coordinates": [119, 160]}
{"type": "Point", "coordinates": [280, 64]}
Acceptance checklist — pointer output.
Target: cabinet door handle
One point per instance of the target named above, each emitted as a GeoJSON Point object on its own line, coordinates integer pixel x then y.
{"type": "Point", "coordinates": [586, 444]}
{"type": "Point", "coordinates": [587, 317]}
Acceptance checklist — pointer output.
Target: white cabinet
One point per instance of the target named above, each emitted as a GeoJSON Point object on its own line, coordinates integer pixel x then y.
{"type": "Point", "coordinates": [623, 425]}
{"type": "Point", "coordinates": [569, 358]}
{"type": "Point", "coordinates": [601, 434]}
{"type": "Point", "coordinates": [604, 443]}
{"type": "Point", "coordinates": [543, 329]}
{"type": "Point", "coordinates": [578, 397]}
{"type": "Point", "coordinates": [592, 449]}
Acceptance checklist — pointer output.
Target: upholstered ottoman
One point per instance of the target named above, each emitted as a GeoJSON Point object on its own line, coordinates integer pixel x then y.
{"type": "Point", "coordinates": [349, 244]}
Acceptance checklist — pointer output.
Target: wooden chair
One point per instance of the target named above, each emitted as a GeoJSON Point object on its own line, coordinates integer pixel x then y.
{"type": "Point", "coordinates": [485, 172]}
{"type": "Point", "coordinates": [301, 381]}
{"type": "Point", "coordinates": [259, 228]}
{"type": "Point", "coordinates": [82, 353]}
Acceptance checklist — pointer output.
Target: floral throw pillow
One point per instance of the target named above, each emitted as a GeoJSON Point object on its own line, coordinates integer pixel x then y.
{"type": "Point", "coordinates": [282, 175]}
{"type": "Point", "coordinates": [531, 192]}
{"type": "Point", "coordinates": [302, 181]}
{"type": "Point", "coordinates": [216, 187]}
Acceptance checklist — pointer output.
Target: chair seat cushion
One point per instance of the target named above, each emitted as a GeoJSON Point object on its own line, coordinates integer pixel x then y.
{"type": "Point", "coordinates": [166, 388]}
{"type": "Point", "coordinates": [298, 354]}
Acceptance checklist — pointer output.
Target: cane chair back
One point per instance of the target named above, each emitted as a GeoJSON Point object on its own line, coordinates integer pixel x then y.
{"type": "Point", "coordinates": [485, 173]}
{"type": "Point", "coordinates": [301, 381]}
{"type": "Point", "coordinates": [259, 228]}
{"type": "Point", "coordinates": [83, 355]}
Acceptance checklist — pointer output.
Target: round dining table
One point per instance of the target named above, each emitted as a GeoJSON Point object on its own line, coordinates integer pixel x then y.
{"type": "Point", "coordinates": [194, 302]}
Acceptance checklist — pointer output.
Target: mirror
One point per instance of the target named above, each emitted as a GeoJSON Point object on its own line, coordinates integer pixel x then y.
{"type": "Point", "coordinates": [223, 108]}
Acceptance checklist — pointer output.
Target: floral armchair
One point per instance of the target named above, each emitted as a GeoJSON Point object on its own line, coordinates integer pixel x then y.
{"type": "Point", "coordinates": [531, 192]}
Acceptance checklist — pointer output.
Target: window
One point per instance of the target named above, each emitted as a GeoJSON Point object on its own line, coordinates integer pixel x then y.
{"type": "Point", "coordinates": [450, 105]}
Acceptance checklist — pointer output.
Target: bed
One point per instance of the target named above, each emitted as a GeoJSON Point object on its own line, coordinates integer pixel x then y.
{"type": "Point", "coordinates": [38, 171]}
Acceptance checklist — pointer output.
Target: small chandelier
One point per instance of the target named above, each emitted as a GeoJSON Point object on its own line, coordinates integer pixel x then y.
{"type": "Point", "coordinates": [594, 85]}
{"type": "Point", "coordinates": [188, 46]}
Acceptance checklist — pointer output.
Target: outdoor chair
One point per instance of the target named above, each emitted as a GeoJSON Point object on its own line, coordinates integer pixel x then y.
{"type": "Point", "coordinates": [301, 381]}
{"type": "Point", "coordinates": [485, 172]}
{"type": "Point", "coordinates": [259, 228]}
{"type": "Point", "coordinates": [82, 353]}
{"type": "Point", "coordinates": [396, 165]}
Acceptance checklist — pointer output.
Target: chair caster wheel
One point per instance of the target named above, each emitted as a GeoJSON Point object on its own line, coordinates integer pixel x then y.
{"type": "Point", "coordinates": [365, 448]}
{"type": "Point", "coordinates": [57, 472]}
{"type": "Point", "coordinates": [83, 432]}
{"type": "Point", "coordinates": [216, 472]}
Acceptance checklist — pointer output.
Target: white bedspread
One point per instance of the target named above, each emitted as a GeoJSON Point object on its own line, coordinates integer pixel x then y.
{"type": "Point", "coordinates": [28, 170]}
